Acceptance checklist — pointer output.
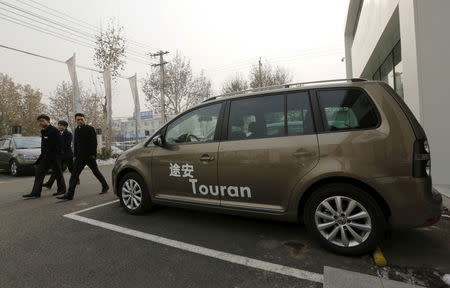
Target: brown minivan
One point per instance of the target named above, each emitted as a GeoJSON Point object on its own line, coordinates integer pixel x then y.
{"type": "Point", "coordinates": [346, 157]}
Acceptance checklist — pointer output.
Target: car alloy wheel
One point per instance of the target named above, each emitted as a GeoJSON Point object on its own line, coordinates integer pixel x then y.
{"type": "Point", "coordinates": [131, 194]}
{"type": "Point", "coordinates": [13, 168]}
{"type": "Point", "coordinates": [343, 221]}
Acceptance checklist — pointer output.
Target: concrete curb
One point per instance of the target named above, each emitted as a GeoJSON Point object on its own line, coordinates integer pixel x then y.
{"type": "Point", "coordinates": [339, 278]}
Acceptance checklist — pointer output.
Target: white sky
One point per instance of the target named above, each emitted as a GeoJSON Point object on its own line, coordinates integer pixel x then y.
{"type": "Point", "coordinates": [221, 37]}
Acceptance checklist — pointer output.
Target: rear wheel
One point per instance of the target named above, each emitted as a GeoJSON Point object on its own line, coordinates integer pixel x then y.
{"type": "Point", "coordinates": [14, 168]}
{"type": "Point", "coordinates": [133, 194]}
{"type": "Point", "coordinates": [345, 219]}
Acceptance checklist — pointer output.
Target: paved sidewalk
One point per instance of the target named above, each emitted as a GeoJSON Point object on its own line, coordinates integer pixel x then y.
{"type": "Point", "coordinates": [339, 278]}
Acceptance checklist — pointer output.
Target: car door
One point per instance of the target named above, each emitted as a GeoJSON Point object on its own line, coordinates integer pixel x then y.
{"type": "Point", "coordinates": [5, 153]}
{"type": "Point", "coordinates": [270, 145]}
{"type": "Point", "coordinates": [185, 167]}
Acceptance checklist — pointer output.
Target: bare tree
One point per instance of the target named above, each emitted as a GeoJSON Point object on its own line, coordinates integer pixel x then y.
{"type": "Point", "coordinates": [110, 48]}
{"type": "Point", "coordinates": [265, 74]}
{"type": "Point", "coordinates": [110, 53]}
{"type": "Point", "coordinates": [182, 88]}
{"type": "Point", "coordinates": [19, 105]}
{"type": "Point", "coordinates": [61, 106]}
{"type": "Point", "coordinates": [235, 84]}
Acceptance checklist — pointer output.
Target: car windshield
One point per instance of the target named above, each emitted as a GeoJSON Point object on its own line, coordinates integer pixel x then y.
{"type": "Point", "coordinates": [27, 142]}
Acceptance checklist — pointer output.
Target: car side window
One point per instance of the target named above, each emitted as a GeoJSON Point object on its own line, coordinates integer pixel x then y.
{"type": "Point", "coordinates": [299, 116]}
{"type": "Point", "coordinates": [346, 109]}
{"type": "Point", "coordinates": [257, 117]}
{"type": "Point", "coordinates": [197, 126]}
{"type": "Point", "coordinates": [6, 144]}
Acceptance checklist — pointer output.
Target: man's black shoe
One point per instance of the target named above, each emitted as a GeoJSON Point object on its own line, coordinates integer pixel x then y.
{"type": "Point", "coordinates": [65, 197]}
{"type": "Point", "coordinates": [58, 193]}
{"type": "Point", "coordinates": [31, 196]}
{"type": "Point", "coordinates": [104, 190]}
{"type": "Point", "coordinates": [46, 185]}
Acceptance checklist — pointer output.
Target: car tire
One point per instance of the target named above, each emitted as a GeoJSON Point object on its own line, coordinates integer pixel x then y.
{"type": "Point", "coordinates": [14, 168]}
{"type": "Point", "coordinates": [133, 194]}
{"type": "Point", "coordinates": [354, 232]}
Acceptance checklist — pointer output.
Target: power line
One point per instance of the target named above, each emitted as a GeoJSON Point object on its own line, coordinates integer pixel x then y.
{"type": "Point", "coordinates": [61, 36]}
{"type": "Point", "coordinates": [47, 58]}
{"type": "Point", "coordinates": [52, 59]}
{"type": "Point", "coordinates": [71, 30]}
{"type": "Point", "coordinates": [292, 58]}
{"type": "Point", "coordinates": [76, 21]}
{"type": "Point", "coordinates": [255, 59]}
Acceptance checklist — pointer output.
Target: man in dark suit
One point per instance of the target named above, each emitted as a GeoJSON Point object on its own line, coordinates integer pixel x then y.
{"type": "Point", "coordinates": [65, 154]}
{"type": "Point", "coordinates": [47, 159]}
{"type": "Point", "coordinates": [85, 153]}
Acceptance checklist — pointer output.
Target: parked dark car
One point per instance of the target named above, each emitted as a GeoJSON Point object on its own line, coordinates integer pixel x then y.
{"type": "Point", "coordinates": [18, 153]}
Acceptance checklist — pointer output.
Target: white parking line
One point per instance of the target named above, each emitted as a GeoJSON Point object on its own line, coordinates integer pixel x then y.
{"type": "Point", "coordinates": [224, 256]}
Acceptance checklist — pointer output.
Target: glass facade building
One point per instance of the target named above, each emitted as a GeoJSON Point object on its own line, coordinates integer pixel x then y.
{"type": "Point", "coordinates": [391, 70]}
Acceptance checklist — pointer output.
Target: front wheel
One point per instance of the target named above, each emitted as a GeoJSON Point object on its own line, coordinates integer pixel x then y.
{"type": "Point", "coordinates": [14, 168]}
{"type": "Point", "coordinates": [133, 194]}
{"type": "Point", "coordinates": [345, 219]}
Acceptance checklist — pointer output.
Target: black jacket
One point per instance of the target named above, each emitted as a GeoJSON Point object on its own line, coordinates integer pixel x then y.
{"type": "Point", "coordinates": [65, 143]}
{"type": "Point", "coordinates": [85, 142]}
{"type": "Point", "coordinates": [49, 144]}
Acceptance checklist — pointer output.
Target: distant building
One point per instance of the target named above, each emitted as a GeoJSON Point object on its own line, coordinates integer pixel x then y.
{"type": "Point", "coordinates": [124, 128]}
{"type": "Point", "coordinates": [406, 43]}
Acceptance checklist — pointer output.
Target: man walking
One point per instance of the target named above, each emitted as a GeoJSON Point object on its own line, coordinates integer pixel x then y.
{"type": "Point", "coordinates": [47, 159]}
{"type": "Point", "coordinates": [65, 154]}
{"type": "Point", "coordinates": [85, 153]}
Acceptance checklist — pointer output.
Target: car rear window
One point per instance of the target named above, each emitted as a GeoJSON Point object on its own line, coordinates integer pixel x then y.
{"type": "Point", "coordinates": [346, 109]}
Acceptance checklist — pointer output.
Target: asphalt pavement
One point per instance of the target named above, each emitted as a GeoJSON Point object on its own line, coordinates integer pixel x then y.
{"type": "Point", "coordinates": [39, 247]}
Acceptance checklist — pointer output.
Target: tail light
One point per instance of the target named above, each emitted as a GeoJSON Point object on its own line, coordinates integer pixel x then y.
{"type": "Point", "coordinates": [422, 160]}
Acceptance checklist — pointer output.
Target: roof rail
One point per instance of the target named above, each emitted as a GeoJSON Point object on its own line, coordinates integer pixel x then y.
{"type": "Point", "coordinates": [288, 85]}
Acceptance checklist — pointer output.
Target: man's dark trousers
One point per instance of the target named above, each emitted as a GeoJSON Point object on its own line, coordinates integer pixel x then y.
{"type": "Point", "coordinates": [78, 167]}
{"type": "Point", "coordinates": [41, 170]}
{"type": "Point", "coordinates": [64, 160]}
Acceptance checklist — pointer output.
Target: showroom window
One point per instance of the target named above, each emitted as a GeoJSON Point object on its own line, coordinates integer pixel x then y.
{"type": "Point", "coordinates": [391, 70]}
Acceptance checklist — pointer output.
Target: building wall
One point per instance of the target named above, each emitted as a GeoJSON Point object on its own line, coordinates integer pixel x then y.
{"type": "Point", "coordinates": [431, 74]}
{"type": "Point", "coordinates": [423, 30]}
{"type": "Point", "coordinates": [373, 20]}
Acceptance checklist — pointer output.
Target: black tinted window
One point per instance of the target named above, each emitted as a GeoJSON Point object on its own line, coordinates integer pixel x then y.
{"type": "Point", "coordinates": [346, 109]}
{"type": "Point", "coordinates": [299, 117]}
{"type": "Point", "coordinates": [257, 117]}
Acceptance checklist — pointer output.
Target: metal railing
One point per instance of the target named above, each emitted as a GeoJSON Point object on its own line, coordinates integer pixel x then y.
{"type": "Point", "coordinates": [287, 85]}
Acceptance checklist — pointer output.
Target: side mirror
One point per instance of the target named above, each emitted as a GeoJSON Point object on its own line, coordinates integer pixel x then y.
{"type": "Point", "coordinates": [158, 141]}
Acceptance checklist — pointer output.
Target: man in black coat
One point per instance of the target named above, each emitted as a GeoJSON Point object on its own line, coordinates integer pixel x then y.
{"type": "Point", "coordinates": [65, 154]}
{"type": "Point", "coordinates": [85, 153]}
{"type": "Point", "coordinates": [47, 159]}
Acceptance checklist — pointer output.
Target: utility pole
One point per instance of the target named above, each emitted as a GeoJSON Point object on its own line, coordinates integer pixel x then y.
{"type": "Point", "coordinates": [161, 64]}
{"type": "Point", "coordinates": [260, 72]}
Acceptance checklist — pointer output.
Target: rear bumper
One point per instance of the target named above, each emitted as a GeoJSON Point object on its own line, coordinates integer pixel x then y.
{"type": "Point", "coordinates": [412, 201]}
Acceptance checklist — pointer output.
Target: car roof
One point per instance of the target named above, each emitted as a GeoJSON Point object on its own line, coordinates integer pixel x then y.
{"type": "Point", "coordinates": [290, 87]}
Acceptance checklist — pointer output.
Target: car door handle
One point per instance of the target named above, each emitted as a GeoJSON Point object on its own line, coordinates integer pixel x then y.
{"type": "Point", "coordinates": [206, 157]}
{"type": "Point", "coordinates": [303, 154]}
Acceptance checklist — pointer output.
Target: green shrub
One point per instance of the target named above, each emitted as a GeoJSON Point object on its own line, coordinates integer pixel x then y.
{"type": "Point", "coordinates": [104, 154]}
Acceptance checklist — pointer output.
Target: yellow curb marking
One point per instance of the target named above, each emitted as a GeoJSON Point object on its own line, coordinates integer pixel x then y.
{"type": "Point", "coordinates": [378, 258]}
